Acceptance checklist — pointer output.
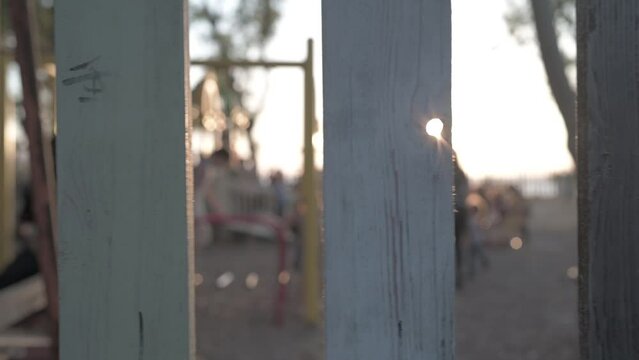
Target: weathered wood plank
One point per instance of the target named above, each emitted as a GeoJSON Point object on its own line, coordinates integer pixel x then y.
{"type": "Point", "coordinates": [608, 129]}
{"type": "Point", "coordinates": [124, 200]}
{"type": "Point", "coordinates": [387, 194]}
{"type": "Point", "coordinates": [21, 300]}
{"type": "Point", "coordinates": [12, 340]}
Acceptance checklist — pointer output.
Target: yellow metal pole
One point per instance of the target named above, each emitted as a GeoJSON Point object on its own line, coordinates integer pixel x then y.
{"type": "Point", "coordinates": [311, 250]}
{"type": "Point", "coordinates": [7, 169]}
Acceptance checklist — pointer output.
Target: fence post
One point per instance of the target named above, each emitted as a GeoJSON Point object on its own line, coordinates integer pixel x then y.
{"type": "Point", "coordinates": [124, 189]}
{"type": "Point", "coordinates": [388, 185]}
{"type": "Point", "coordinates": [608, 167]}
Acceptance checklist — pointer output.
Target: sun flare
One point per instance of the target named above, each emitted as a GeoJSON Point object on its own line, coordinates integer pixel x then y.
{"type": "Point", "coordinates": [434, 128]}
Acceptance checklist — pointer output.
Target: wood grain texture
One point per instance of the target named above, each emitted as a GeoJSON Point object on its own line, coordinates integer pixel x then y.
{"type": "Point", "coordinates": [125, 244]}
{"type": "Point", "coordinates": [387, 185]}
{"type": "Point", "coordinates": [608, 111]}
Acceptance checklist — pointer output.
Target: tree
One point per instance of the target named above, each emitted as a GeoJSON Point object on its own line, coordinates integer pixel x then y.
{"type": "Point", "coordinates": [244, 29]}
{"type": "Point", "coordinates": [548, 16]}
{"type": "Point", "coordinates": [247, 27]}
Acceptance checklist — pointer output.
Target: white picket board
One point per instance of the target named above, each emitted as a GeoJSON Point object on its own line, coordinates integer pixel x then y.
{"type": "Point", "coordinates": [387, 185]}
{"type": "Point", "coordinates": [124, 190]}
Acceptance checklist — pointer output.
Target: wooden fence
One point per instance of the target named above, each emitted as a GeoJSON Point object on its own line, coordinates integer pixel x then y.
{"type": "Point", "coordinates": [125, 179]}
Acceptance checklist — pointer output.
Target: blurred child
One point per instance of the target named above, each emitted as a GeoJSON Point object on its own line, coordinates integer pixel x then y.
{"type": "Point", "coordinates": [477, 237]}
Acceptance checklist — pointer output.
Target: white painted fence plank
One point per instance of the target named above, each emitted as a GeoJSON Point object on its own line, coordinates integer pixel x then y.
{"type": "Point", "coordinates": [125, 244]}
{"type": "Point", "coordinates": [388, 186]}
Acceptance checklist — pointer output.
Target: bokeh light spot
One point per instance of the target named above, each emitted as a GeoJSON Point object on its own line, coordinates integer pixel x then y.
{"type": "Point", "coordinates": [252, 280]}
{"type": "Point", "coordinates": [516, 243]}
{"type": "Point", "coordinates": [284, 277]}
{"type": "Point", "coordinates": [198, 279]}
{"type": "Point", "coordinates": [572, 273]}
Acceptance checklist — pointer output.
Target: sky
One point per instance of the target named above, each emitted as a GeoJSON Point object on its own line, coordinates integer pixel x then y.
{"type": "Point", "coordinates": [505, 122]}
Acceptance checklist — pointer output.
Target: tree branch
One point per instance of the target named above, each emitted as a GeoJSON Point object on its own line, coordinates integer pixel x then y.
{"type": "Point", "coordinates": [555, 67]}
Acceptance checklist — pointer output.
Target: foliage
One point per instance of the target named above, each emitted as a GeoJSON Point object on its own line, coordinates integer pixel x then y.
{"type": "Point", "coordinates": [43, 10]}
{"type": "Point", "coordinates": [552, 23]}
{"type": "Point", "coordinates": [520, 22]}
{"type": "Point", "coordinates": [44, 17]}
{"type": "Point", "coordinates": [234, 32]}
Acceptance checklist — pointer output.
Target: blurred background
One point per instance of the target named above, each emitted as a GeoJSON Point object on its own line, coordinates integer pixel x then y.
{"type": "Point", "coordinates": [257, 154]}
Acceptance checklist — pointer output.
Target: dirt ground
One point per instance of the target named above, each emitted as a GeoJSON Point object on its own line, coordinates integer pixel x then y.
{"type": "Point", "coordinates": [236, 322]}
{"type": "Point", "coordinates": [522, 307]}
